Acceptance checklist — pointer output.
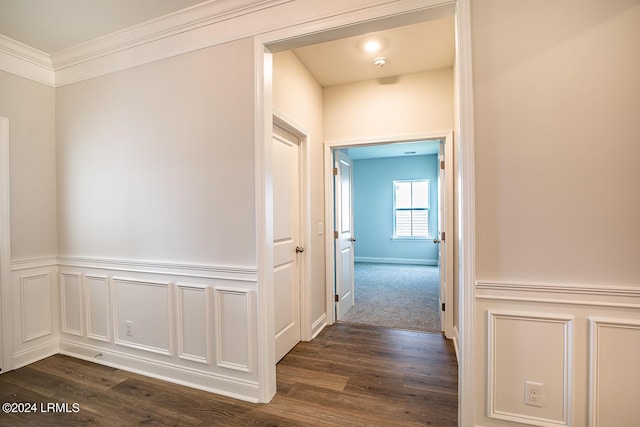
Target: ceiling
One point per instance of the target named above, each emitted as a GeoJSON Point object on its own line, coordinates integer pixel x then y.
{"type": "Point", "coordinates": [54, 25]}
{"type": "Point", "coordinates": [408, 49]}
{"type": "Point", "coordinates": [399, 149]}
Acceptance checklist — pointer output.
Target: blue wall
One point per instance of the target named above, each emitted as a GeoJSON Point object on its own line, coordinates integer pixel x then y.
{"type": "Point", "coordinates": [373, 209]}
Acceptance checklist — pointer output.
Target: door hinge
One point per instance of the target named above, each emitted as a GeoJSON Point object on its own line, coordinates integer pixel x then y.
{"type": "Point", "coordinates": [442, 237]}
{"type": "Point", "coordinates": [336, 298]}
{"type": "Point", "coordinates": [335, 171]}
{"type": "Point", "coordinates": [335, 234]}
{"type": "Point", "coordinates": [443, 307]}
{"type": "Point", "coordinates": [441, 164]}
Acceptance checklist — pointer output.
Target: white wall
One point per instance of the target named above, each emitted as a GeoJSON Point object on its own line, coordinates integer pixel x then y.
{"type": "Point", "coordinates": [30, 108]}
{"type": "Point", "coordinates": [403, 105]}
{"type": "Point", "coordinates": [33, 294]}
{"type": "Point", "coordinates": [298, 95]}
{"type": "Point", "coordinates": [557, 101]}
{"type": "Point", "coordinates": [156, 162]}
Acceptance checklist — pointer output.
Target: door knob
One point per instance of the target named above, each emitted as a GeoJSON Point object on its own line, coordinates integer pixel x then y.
{"type": "Point", "coordinates": [436, 241]}
{"type": "Point", "coordinates": [299, 249]}
{"type": "Point", "coordinates": [353, 239]}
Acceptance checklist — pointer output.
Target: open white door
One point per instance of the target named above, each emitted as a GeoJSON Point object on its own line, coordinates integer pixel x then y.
{"type": "Point", "coordinates": [445, 235]}
{"type": "Point", "coordinates": [344, 238]}
{"type": "Point", "coordinates": [286, 237]}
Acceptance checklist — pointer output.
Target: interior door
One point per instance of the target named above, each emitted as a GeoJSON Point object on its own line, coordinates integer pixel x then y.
{"type": "Point", "coordinates": [344, 238]}
{"type": "Point", "coordinates": [286, 237]}
{"type": "Point", "coordinates": [445, 235]}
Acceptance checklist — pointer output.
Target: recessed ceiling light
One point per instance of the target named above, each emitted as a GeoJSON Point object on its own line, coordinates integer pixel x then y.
{"type": "Point", "coordinates": [372, 46]}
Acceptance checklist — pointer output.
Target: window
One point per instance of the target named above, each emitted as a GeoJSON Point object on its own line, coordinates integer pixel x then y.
{"type": "Point", "coordinates": [411, 208]}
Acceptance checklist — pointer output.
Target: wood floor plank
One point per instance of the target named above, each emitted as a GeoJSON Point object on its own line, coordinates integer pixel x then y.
{"type": "Point", "coordinates": [350, 375]}
{"type": "Point", "coordinates": [81, 371]}
{"type": "Point", "coordinates": [293, 375]}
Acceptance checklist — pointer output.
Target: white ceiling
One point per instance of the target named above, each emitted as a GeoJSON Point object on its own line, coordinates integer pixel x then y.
{"type": "Point", "coordinates": [54, 25]}
{"type": "Point", "coordinates": [408, 49]}
{"type": "Point", "coordinates": [399, 149]}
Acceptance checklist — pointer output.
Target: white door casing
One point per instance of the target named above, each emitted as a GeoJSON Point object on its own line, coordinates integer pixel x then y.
{"type": "Point", "coordinates": [286, 238]}
{"type": "Point", "coordinates": [445, 233]}
{"type": "Point", "coordinates": [344, 238]}
{"type": "Point", "coordinates": [6, 323]}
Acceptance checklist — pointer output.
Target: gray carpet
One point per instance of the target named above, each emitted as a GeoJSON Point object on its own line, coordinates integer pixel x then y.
{"type": "Point", "coordinates": [396, 296]}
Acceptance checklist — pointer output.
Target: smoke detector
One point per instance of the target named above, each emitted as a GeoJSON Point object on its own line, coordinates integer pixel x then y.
{"type": "Point", "coordinates": [380, 61]}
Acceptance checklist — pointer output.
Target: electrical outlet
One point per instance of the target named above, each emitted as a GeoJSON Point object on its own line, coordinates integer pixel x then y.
{"type": "Point", "coordinates": [128, 328]}
{"type": "Point", "coordinates": [533, 393]}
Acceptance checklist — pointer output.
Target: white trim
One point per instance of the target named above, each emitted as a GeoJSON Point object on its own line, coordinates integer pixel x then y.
{"type": "Point", "coordinates": [248, 335]}
{"type": "Point", "coordinates": [503, 286]}
{"type": "Point", "coordinates": [318, 325]}
{"type": "Point", "coordinates": [6, 291]}
{"type": "Point", "coordinates": [595, 323]}
{"type": "Point", "coordinates": [449, 244]}
{"type": "Point", "coordinates": [266, 363]}
{"type": "Point", "coordinates": [24, 61]}
{"type": "Point", "coordinates": [329, 146]}
{"type": "Point", "coordinates": [184, 31]}
{"type": "Point", "coordinates": [455, 340]}
{"type": "Point", "coordinates": [63, 304]}
{"type": "Point", "coordinates": [585, 295]}
{"type": "Point", "coordinates": [114, 304]}
{"type": "Point", "coordinates": [33, 354]}
{"type": "Point", "coordinates": [204, 271]}
{"type": "Point", "coordinates": [178, 374]}
{"type": "Point", "coordinates": [465, 232]}
{"type": "Point", "coordinates": [568, 362]}
{"type": "Point", "coordinates": [288, 124]}
{"type": "Point", "coordinates": [23, 308]}
{"type": "Point", "coordinates": [180, 287]}
{"type": "Point", "coordinates": [31, 263]}
{"type": "Point", "coordinates": [107, 296]}
{"type": "Point", "coordinates": [382, 260]}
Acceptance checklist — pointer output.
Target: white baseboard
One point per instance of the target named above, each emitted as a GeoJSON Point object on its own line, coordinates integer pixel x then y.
{"type": "Point", "coordinates": [318, 325]}
{"type": "Point", "coordinates": [455, 343]}
{"type": "Point", "coordinates": [32, 355]}
{"type": "Point", "coordinates": [381, 260]}
{"type": "Point", "coordinates": [207, 381]}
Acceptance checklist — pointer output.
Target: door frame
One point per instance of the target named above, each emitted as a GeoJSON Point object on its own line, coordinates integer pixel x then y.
{"type": "Point", "coordinates": [6, 306]}
{"type": "Point", "coordinates": [329, 204]}
{"type": "Point", "coordinates": [465, 177]}
{"type": "Point", "coordinates": [304, 200]}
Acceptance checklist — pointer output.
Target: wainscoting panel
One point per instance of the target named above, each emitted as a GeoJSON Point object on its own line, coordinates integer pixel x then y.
{"type": "Point", "coordinates": [71, 303]}
{"type": "Point", "coordinates": [35, 306]}
{"type": "Point", "coordinates": [97, 307]}
{"type": "Point", "coordinates": [234, 337]}
{"type": "Point", "coordinates": [194, 320]}
{"type": "Point", "coordinates": [581, 341]}
{"type": "Point", "coordinates": [191, 324]}
{"type": "Point", "coordinates": [614, 372]}
{"type": "Point", "coordinates": [142, 313]}
{"type": "Point", "coordinates": [544, 346]}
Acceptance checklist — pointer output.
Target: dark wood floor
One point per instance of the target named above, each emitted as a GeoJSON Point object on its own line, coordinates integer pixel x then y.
{"type": "Point", "coordinates": [350, 375]}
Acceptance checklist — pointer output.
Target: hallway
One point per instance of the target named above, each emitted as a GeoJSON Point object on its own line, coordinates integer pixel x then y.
{"type": "Point", "coordinates": [349, 375]}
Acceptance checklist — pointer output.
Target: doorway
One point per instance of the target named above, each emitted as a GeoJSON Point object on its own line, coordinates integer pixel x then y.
{"type": "Point", "coordinates": [401, 268]}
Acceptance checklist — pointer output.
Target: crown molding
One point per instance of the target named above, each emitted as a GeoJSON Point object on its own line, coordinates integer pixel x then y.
{"type": "Point", "coordinates": [24, 61]}
{"type": "Point", "coordinates": [170, 35]}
